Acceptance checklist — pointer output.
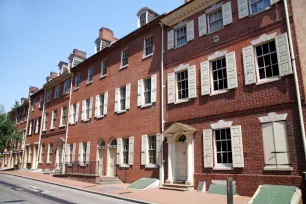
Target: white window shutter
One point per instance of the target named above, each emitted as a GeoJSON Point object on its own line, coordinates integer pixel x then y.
{"type": "Point", "coordinates": [128, 96]}
{"type": "Point", "coordinates": [190, 30]}
{"type": "Point", "coordinates": [97, 106]}
{"type": "Point", "coordinates": [159, 149]}
{"type": "Point", "coordinates": [283, 55]}
{"type": "Point", "coordinates": [170, 39]}
{"type": "Point", "coordinates": [237, 147]}
{"type": "Point", "coordinates": [231, 70]}
{"type": "Point", "coordinates": [87, 152]}
{"type": "Point", "coordinates": [153, 88]}
{"type": "Point", "coordinates": [202, 25]}
{"type": "Point", "coordinates": [144, 149]}
{"type": "Point", "coordinates": [192, 83]}
{"type": "Point", "coordinates": [227, 13]}
{"type": "Point", "coordinates": [205, 78]}
{"type": "Point", "coordinates": [243, 8]}
{"type": "Point", "coordinates": [105, 103]}
{"type": "Point", "coordinates": [73, 152]}
{"type": "Point", "coordinates": [80, 158]}
{"type": "Point", "coordinates": [140, 93]}
{"type": "Point", "coordinates": [117, 99]}
{"type": "Point", "coordinates": [119, 151]}
{"type": "Point", "coordinates": [249, 65]}
{"type": "Point", "coordinates": [90, 107]}
{"type": "Point", "coordinates": [67, 153]}
{"type": "Point", "coordinates": [83, 110]}
{"type": "Point", "coordinates": [131, 150]}
{"type": "Point", "coordinates": [207, 148]}
{"type": "Point", "coordinates": [171, 91]}
{"type": "Point", "coordinates": [77, 112]}
{"type": "Point", "coordinates": [70, 114]}
{"type": "Point", "coordinates": [281, 143]}
{"type": "Point", "coordinates": [61, 119]}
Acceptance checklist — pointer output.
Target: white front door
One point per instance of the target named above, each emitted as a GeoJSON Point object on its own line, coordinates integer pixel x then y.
{"type": "Point", "coordinates": [181, 164]}
{"type": "Point", "coordinates": [101, 159]}
{"type": "Point", "coordinates": [112, 162]}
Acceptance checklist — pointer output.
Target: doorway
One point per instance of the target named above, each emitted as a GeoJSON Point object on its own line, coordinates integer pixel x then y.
{"type": "Point", "coordinates": [112, 158]}
{"type": "Point", "coordinates": [181, 161]}
{"type": "Point", "coordinates": [100, 159]}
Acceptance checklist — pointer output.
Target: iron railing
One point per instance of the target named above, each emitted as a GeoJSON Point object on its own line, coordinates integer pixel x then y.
{"type": "Point", "coordinates": [90, 167]}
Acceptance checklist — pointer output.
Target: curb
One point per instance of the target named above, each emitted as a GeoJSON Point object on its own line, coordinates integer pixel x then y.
{"type": "Point", "coordinates": [84, 190]}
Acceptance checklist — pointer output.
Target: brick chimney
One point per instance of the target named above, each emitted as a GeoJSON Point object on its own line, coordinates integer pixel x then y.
{"type": "Point", "coordinates": [51, 76]}
{"type": "Point", "coordinates": [79, 53]}
{"type": "Point", "coordinates": [62, 67]}
{"type": "Point", "coordinates": [106, 37]}
{"type": "Point", "coordinates": [33, 89]}
{"type": "Point", "coordinates": [186, 1]}
{"type": "Point", "coordinates": [76, 57]}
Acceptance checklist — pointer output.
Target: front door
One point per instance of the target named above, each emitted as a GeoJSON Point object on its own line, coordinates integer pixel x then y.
{"type": "Point", "coordinates": [112, 162]}
{"type": "Point", "coordinates": [101, 159]}
{"type": "Point", "coordinates": [181, 174]}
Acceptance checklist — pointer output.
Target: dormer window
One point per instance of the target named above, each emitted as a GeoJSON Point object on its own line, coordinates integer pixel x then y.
{"type": "Point", "coordinates": [98, 46]}
{"type": "Point", "coordinates": [145, 15]}
{"type": "Point", "coordinates": [75, 62]}
{"type": "Point", "coordinates": [143, 19]}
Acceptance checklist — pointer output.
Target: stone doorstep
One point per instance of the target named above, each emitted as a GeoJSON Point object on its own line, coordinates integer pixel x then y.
{"type": "Point", "coordinates": [177, 187]}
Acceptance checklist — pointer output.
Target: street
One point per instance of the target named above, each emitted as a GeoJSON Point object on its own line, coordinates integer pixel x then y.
{"type": "Point", "coordinates": [19, 190]}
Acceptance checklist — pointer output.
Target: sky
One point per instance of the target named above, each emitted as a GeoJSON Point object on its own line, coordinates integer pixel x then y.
{"type": "Point", "coordinates": [35, 35]}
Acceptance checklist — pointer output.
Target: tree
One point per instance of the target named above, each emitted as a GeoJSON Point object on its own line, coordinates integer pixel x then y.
{"type": "Point", "coordinates": [16, 105]}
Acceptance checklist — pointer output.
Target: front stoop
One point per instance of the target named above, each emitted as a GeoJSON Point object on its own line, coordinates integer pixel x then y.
{"type": "Point", "coordinates": [177, 187]}
{"type": "Point", "coordinates": [109, 180]}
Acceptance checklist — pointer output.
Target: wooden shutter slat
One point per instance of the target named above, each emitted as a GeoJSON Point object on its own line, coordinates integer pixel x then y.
{"type": "Point", "coordinates": [207, 148]}
{"type": "Point", "coordinates": [144, 149]}
{"type": "Point", "coordinates": [131, 150]}
{"type": "Point", "coordinates": [105, 103]}
{"type": "Point", "coordinates": [249, 65]}
{"type": "Point", "coordinates": [232, 80]}
{"type": "Point", "coordinates": [140, 92]}
{"type": "Point", "coordinates": [117, 99]}
{"type": "Point", "coordinates": [128, 96]}
{"type": "Point", "coordinates": [77, 112]}
{"type": "Point", "coordinates": [227, 13]}
{"type": "Point", "coordinates": [192, 84]}
{"type": "Point", "coordinates": [243, 8]}
{"type": "Point", "coordinates": [283, 55]}
{"type": "Point", "coordinates": [170, 39]}
{"type": "Point", "coordinates": [190, 30]}
{"type": "Point", "coordinates": [205, 78]}
{"type": "Point", "coordinates": [202, 25]}
{"type": "Point", "coordinates": [159, 149]}
{"type": "Point", "coordinates": [90, 107]}
{"type": "Point", "coordinates": [237, 147]}
{"type": "Point", "coordinates": [119, 151]}
{"type": "Point", "coordinates": [87, 152]}
{"type": "Point", "coordinates": [171, 93]}
{"type": "Point", "coordinates": [153, 88]}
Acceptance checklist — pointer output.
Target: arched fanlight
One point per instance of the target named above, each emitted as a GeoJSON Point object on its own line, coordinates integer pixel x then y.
{"type": "Point", "coordinates": [182, 139]}
{"type": "Point", "coordinates": [114, 143]}
{"type": "Point", "coordinates": [102, 144]}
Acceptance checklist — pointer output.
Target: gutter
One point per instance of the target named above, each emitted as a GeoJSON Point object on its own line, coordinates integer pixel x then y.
{"type": "Point", "coordinates": [298, 95]}
{"type": "Point", "coordinates": [26, 133]}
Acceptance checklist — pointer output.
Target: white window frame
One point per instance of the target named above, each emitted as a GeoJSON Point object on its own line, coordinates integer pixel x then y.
{"type": "Point", "coordinates": [127, 58]}
{"type": "Point", "coordinates": [145, 55]}
{"type": "Point", "coordinates": [50, 153]}
{"type": "Point", "coordinates": [154, 163]}
{"type": "Point", "coordinates": [101, 105]}
{"type": "Point", "coordinates": [74, 110]}
{"type": "Point", "coordinates": [31, 127]}
{"type": "Point", "coordinates": [221, 165]}
{"type": "Point", "coordinates": [139, 23]}
{"type": "Point", "coordinates": [63, 117]}
{"type": "Point", "coordinates": [46, 118]}
{"type": "Point", "coordinates": [87, 109]}
{"type": "Point", "coordinates": [104, 66]}
{"type": "Point", "coordinates": [176, 87]}
{"type": "Point", "coordinates": [57, 91]}
{"type": "Point", "coordinates": [49, 95]}
{"type": "Point", "coordinates": [42, 153]}
{"type": "Point", "coordinates": [250, 7]}
{"type": "Point", "coordinates": [213, 91]}
{"type": "Point", "coordinates": [84, 152]}
{"type": "Point", "coordinates": [208, 20]}
{"type": "Point", "coordinates": [37, 126]}
{"type": "Point", "coordinates": [119, 106]}
{"type": "Point", "coordinates": [90, 73]}
{"type": "Point", "coordinates": [175, 35]}
{"type": "Point", "coordinates": [66, 86]}
{"type": "Point", "coordinates": [54, 118]}
{"type": "Point", "coordinates": [77, 81]}
{"type": "Point", "coordinates": [98, 42]}
{"type": "Point", "coordinates": [125, 142]}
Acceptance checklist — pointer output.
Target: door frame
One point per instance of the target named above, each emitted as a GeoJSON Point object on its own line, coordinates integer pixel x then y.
{"type": "Point", "coordinates": [177, 178]}
{"type": "Point", "coordinates": [100, 147]}
{"type": "Point", "coordinates": [111, 147]}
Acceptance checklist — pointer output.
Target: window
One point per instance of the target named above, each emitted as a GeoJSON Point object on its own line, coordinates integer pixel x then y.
{"type": "Point", "coordinates": [90, 75]}
{"type": "Point", "coordinates": [98, 46]}
{"type": "Point", "coordinates": [50, 153]}
{"type": "Point", "coordinates": [41, 101]}
{"type": "Point", "coordinates": [33, 104]}
{"type": "Point", "coordinates": [122, 98]}
{"type": "Point", "coordinates": [75, 62]}
{"type": "Point", "coordinates": [42, 153]}
{"type": "Point", "coordinates": [125, 143]}
{"type": "Point", "coordinates": [147, 91]}
{"type": "Point", "coordinates": [182, 84]}
{"type": "Point", "coordinates": [74, 115]}
{"type": "Point", "coordinates": [31, 127]}
{"type": "Point", "coordinates": [71, 153]}
{"type": "Point", "coordinates": [104, 68]}
{"type": "Point", "coordinates": [38, 120]}
{"type": "Point", "coordinates": [143, 19]}
{"type": "Point", "coordinates": [219, 74]}
{"type": "Point", "coordinates": [148, 46]}
{"type": "Point", "coordinates": [215, 21]}
{"type": "Point", "coordinates": [46, 121]}
{"type": "Point", "coordinates": [267, 60]}
{"type": "Point", "coordinates": [66, 86]}
{"type": "Point", "coordinates": [64, 116]}
{"type": "Point", "coordinates": [49, 93]}
{"type": "Point", "coordinates": [124, 58]}
{"type": "Point", "coordinates": [257, 6]}
{"type": "Point", "coordinates": [275, 144]}
{"type": "Point", "coordinates": [77, 81]}
{"type": "Point", "coordinates": [101, 104]}
{"type": "Point", "coordinates": [57, 91]}
{"type": "Point", "coordinates": [223, 144]}
{"type": "Point", "coordinates": [152, 149]}
{"type": "Point", "coordinates": [53, 122]}
{"type": "Point", "coordinates": [84, 152]}
{"type": "Point", "coordinates": [181, 36]}
{"type": "Point", "coordinates": [87, 109]}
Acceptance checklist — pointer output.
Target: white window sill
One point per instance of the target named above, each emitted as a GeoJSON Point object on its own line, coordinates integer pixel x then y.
{"type": "Point", "coordinates": [122, 67]}
{"type": "Point", "coordinates": [177, 47]}
{"type": "Point", "coordinates": [69, 164]}
{"type": "Point", "coordinates": [212, 32]}
{"type": "Point", "coordinates": [181, 101]}
{"type": "Point", "coordinates": [122, 111]}
{"type": "Point", "coordinates": [151, 166]}
{"type": "Point", "coordinates": [44, 130]}
{"type": "Point", "coordinates": [76, 88]}
{"type": "Point", "coordinates": [147, 56]}
{"type": "Point", "coordinates": [100, 116]}
{"type": "Point", "coordinates": [86, 120]}
{"type": "Point", "coordinates": [219, 92]}
{"type": "Point", "coordinates": [52, 128]}
{"type": "Point", "coordinates": [146, 105]}
{"type": "Point", "coordinates": [268, 80]}
{"type": "Point", "coordinates": [222, 168]}
{"type": "Point", "coordinates": [72, 123]}
{"type": "Point", "coordinates": [40, 162]}
{"type": "Point", "coordinates": [278, 168]}
{"type": "Point", "coordinates": [48, 162]}
{"type": "Point", "coordinates": [125, 166]}
{"type": "Point", "coordinates": [61, 126]}
{"type": "Point", "coordinates": [89, 82]}
{"type": "Point", "coordinates": [103, 76]}
{"type": "Point", "coordinates": [65, 93]}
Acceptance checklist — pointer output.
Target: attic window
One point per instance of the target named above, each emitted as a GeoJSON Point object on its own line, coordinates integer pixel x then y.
{"type": "Point", "coordinates": [98, 46]}
{"type": "Point", "coordinates": [143, 18]}
{"type": "Point", "coordinates": [75, 62]}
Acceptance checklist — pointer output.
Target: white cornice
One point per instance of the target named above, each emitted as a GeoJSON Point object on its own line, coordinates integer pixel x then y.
{"type": "Point", "coordinates": [273, 117]}
{"type": "Point", "coordinates": [221, 124]}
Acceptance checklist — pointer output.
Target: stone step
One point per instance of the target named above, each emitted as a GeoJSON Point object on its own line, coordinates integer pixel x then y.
{"type": "Point", "coordinates": [176, 185]}
{"type": "Point", "coordinates": [109, 178]}
{"type": "Point", "coordinates": [109, 182]}
{"type": "Point", "coordinates": [173, 189]}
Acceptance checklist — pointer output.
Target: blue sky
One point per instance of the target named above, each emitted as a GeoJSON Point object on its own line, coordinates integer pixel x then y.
{"type": "Point", "coordinates": [36, 34]}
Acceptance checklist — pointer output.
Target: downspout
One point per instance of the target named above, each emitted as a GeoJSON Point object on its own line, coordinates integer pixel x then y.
{"type": "Point", "coordinates": [42, 121]}
{"type": "Point", "coordinates": [161, 169]}
{"type": "Point", "coordinates": [298, 95]}
{"type": "Point", "coordinates": [26, 132]}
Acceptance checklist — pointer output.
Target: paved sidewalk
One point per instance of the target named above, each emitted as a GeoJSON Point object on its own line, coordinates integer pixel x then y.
{"type": "Point", "coordinates": [151, 195]}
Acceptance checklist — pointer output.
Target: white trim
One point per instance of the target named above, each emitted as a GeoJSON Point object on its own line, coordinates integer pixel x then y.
{"type": "Point", "coordinates": [177, 27]}
{"type": "Point", "coordinates": [147, 56]}
{"type": "Point", "coordinates": [146, 105]}
{"type": "Point", "coordinates": [121, 59]}
{"type": "Point", "coordinates": [214, 7]}
{"type": "Point", "coordinates": [181, 67]}
{"type": "Point", "coordinates": [151, 166]}
{"type": "Point", "coordinates": [221, 124]}
{"type": "Point", "coordinates": [217, 55]}
{"type": "Point", "coordinates": [144, 47]}
{"type": "Point", "coordinates": [278, 168]}
{"type": "Point", "coordinates": [178, 101]}
{"type": "Point", "coordinates": [124, 166]}
{"type": "Point", "coordinates": [266, 80]}
{"type": "Point", "coordinates": [273, 117]}
{"type": "Point", "coordinates": [103, 76]}
{"type": "Point", "coordinates": [124, 66]}
{"type": "Point", "coordinates": [263, 38]}
{"type": "Point", "coordinates": [222, 168]}
{"type": "Point", "coordinates": [222, 91]}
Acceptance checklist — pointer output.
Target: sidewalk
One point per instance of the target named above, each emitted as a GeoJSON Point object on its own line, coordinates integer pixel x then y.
{"type": "Point", "coordinates": [150, 195]}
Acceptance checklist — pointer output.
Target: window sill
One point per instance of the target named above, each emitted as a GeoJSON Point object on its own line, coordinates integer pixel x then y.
{"type": "Point", "coordinates": [72, 124]}
{"type": "Point", "coordinates": [88, 83]}
{"type": "Point", "coordinates": [151, 166]}
{"type": "Point", "coordinates": [146, 105]}
{"type": "Point", "coordinates": [254, 14]}
{"type": "Point", "coordinates": [181, 101]}
{"type": "Point", "coordinates": [49, 163]}
{"type": "Point", "coordinates": [222, 168]}
{"type": "Point", "coordinates": [103, 76]}
{"type": "Point", "coordinates": [209, 33]}
{"type": "Point", "coordinates": [69, 164]}
{"type": "Point", "coordinates": [44, 130]}
{"type": "Point", "coordinates": [120, 112]}
{"type": "Point", "coordinates": [65, 94]}
{"type": "Point", "coordinates": [177, 47]}
{"type": "Point", "coordinates": [122, 67]}
{"type": "Point", "coordinates": [219, 92]}
{"type": "Point", "coordinates": [76, 88]}
{"type": "Point", "coordinates": [124, 166]}
{"type": "Point", "coordinates": [268, 80]}
{"type": "Point", "coordinates": [147, 56]}
{"type": "Point", "coordinates": [99, 117]}
{"type": "Point", "coordinates": [52, 128]}
{"type": "Point", "coordinates": [61, 126]}
{"type": "Point", "coordinates": [278, 168]}
{"type": "Point", "coordinates": [87, 120]}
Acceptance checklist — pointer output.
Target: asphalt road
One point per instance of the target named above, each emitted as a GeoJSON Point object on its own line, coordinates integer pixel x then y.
{"type": "Point", "coordinates": [20, 190]}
